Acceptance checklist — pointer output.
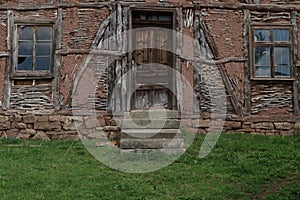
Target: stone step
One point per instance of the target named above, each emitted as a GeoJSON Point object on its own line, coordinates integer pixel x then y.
{"type": "Point", "coordinates": [129, 143]}
{"type": "Point", "coordinates": [153, 114]}
{"type": "Point", "coordinates": [150, 124]}
{"type": "Point", "coordinates": [150, 133]}
{"type": "Point", "coordinates": [173, 151]}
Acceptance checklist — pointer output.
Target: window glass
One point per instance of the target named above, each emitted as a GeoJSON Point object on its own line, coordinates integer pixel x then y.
{"type": "Point", "coordinates": [281, 35]}
{"type": "Point", "coordinates": [24, 63]}
{"type": "Point", "coordinates": [262, 71]}
{"type": "Point", "coordinates": [25, 33]}
{"type": "Point", "coordinates": [261, 35]}
{"type": "Point", "coordinates": [43, 63]}
{"type": "Point", "coordinates": [25, 48]}
{"type": "Point", "coordinates": [282, 61]}
{"type": "Point", "coordinates": [43, 49]}
{"type": "Point", "coordinates": [262, 55]}
{"type": "Point", "coordinates": [44, 33]}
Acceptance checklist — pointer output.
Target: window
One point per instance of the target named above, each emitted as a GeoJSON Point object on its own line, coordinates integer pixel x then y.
{"type": "Point", "coordinates": [34, 49]}
{"type": "Point", "coordinates": [271, 52]}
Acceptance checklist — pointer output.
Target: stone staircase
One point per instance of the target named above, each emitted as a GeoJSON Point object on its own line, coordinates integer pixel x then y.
{"type": "Point", "coordinates": [143, 130]}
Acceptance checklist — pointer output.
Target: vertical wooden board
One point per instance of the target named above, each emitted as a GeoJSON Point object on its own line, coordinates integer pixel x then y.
{"type": "Point", "coordinates": [294, 57]}
{"type": "Point", "coordinates": [7, 83]}
{"type": "Point", "coordinates": [57, 59]}
{"type": "Point", "coordinates": [247, 21]}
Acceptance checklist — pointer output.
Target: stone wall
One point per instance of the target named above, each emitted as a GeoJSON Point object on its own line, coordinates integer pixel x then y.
{"type": "Point", "coordinates": [264, 125]}
{"type": "Point", "coordinates": [67, 127]}
{"type": "Point", "coordinates": [57, 127]}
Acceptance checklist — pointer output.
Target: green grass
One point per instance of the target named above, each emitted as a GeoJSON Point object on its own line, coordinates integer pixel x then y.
{"type": "Point", "coordinates": [239, 167]}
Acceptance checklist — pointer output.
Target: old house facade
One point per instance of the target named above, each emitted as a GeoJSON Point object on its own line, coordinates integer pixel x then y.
{"type": "Point", "coordinates": [51, 48]}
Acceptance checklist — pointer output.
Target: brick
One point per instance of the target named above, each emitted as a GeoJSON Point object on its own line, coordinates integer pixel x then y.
{"type": "Point", "coordinates": [47, 126]}
{"type": "Point", "coordinates": [101, 121]}
{"type": "Point", "coordinates": [283, 126]}
{"type": "Point", "coordinates": [232, 125]}
{"type": "Point", "coordinates": [263, 125]}
{"type": "Point", "coordinates": [41, 135]}
{"type": "Point", "coordinates": [73, 123]}
{"type": "Point", "coordinates": [54, 118]}
{"type": "Point", "coordinates": [19, 125]}
{"type": "Point", "coordinates": [201, 123]}
{"type": "Point", "coordinates": [4, 119]}
{"type": "Point", "coordinates": [24, 134]}
{"type": "Point", "coordinates": [5, 125]}
{"type": "Point", "coordinates": [91, 122]}
{"type": "Point", "coordinates": [29, 119]}
{"type": "Point", "coordinates": [12, 133]}
{"type": "Point", "coordinates": [16, 118]}
{"type": "Point", "coordinates": [297, 125]}
{"type": "Point", "coordinates": [43, 118]}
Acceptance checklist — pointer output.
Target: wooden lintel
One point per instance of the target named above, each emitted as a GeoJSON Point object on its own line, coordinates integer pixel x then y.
{"type": "Point", "coordinates": [53, 6]}
{"type": "Point", "coordinates": [242, 6]}
{"type": "Point", "coordinates": [90, 51]}
{"type": "Point", "coordinates": [198, 4]}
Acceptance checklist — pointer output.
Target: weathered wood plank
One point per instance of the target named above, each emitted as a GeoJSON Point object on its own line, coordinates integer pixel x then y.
{"type": "Point", "coordinates": [295, 69]}
{"type": "Point", "coordinates": [7, 83]}
{"type": "Point", "coordinates": [247, 94]}
{"type": "Point", "coordinates": [53, 6]}
{"type": "Point", "coordinates": [213, 61]}
{"type": "Point", "coordinates": [90, 51]}
{"type": "Point", "coordinates": [57, 59]}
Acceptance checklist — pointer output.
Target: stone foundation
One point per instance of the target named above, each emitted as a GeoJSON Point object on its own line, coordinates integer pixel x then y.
{"type": "Point", "coordinates": [65, 126]}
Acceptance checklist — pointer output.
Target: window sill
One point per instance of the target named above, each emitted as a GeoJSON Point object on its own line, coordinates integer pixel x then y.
{"type": "Point", "coordinates": [32, 75]}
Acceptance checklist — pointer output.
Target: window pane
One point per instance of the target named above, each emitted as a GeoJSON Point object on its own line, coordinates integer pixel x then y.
{"type": "Point", "coordinates": [282, 56]}
{"type": "Point", "coordinates": [262, 56]}
{"type": "Point", "coordinates": [44, 33]}
{"type": "Point", "coordinates": [261, 35]}
{"type": "Point", "coordinates": [262, 71]}
{"type": "Point", "coordinates": [282, 71]}
{"type": "Point", "coordinates": [282, 61]}
{"type": "Point", "coordinates": [25, 33]}
{"type": "Point", "coordinates": [42, 63]}
{"type": "Point", "coordinates": [281, 35]}
{"type": "Point", "coordinates": [24, 63]}
{"type": "Point", "coordinates": [25, 48]}
{"type": "Point", "coordinates": [164, 17]}
{"type": "Point", "coordinates": [43, 49]}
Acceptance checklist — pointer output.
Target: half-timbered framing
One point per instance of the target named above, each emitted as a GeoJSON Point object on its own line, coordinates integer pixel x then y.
{"type": "Point", "coordinates": [248, 48]}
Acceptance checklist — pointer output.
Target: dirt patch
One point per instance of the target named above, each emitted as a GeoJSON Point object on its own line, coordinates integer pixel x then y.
{"type": "Point", "coordinates": [275, 187]}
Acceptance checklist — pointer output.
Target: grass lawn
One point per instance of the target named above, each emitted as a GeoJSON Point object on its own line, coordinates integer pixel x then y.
{"type": "Point", "coordinates": [239, 167]}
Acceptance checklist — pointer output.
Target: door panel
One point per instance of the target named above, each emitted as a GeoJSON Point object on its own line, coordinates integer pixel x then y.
{"type": "Point", "coordinates": [151, 57]}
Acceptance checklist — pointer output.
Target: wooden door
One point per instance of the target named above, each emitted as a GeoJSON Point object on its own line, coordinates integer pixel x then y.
{"type": "Point", "coordinates": [152, 57]}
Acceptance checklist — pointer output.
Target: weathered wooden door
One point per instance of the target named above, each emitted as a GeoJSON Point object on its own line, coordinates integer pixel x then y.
{"type": "Point", "coordinates": [152, 60]}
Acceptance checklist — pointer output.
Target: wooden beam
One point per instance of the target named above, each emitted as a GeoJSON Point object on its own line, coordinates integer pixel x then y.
{"type": "Point", "coordinates": [57, 59]}
{"type": "Point", "coordinates": [200, 4]}
{"type": "Point", "coordinates": [213, 61]}
{"type": "Point", "coordinates": [242, 6]}
{"type": "Point", "coordinates": [295, 69]}
{"type": "Point", "coordinates": [7, 84]}
{"type": "Point", "coordinates": [89, 51]}
{"type": "Point", "coordinates": [53, 6]}
{"type": "Point", "coordinates": [247, 68]}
